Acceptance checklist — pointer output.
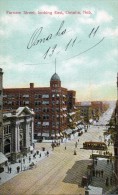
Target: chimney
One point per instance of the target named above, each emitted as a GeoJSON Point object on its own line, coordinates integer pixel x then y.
{"type": "Point", "coordinates": [31, 85]}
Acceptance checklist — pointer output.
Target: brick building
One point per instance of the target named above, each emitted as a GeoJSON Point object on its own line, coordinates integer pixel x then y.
{"type": "Point", "coordinates": [50, 104]}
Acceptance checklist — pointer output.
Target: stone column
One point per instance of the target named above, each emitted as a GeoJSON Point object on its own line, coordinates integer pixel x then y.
{"type": "Point", "coordinates": [27, 135]}
{"type": "Point", "coordinates": [16, 139]}
{"type": "Point", "coordinates": [32, 131]}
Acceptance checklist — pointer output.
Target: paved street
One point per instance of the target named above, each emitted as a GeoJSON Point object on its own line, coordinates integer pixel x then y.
{"type": "Point", "coordinates": [61, 172]}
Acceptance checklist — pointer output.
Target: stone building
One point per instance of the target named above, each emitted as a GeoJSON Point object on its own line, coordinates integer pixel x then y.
{"type": "Point", "coordinates": [50, 104]}
{"type": "Point", "coordinates": [18, 132]}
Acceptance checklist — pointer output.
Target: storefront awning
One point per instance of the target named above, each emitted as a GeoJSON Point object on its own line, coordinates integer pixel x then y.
{"type": "Point", "coordinates": [68, 131]}
{"type": "Point", "coordinates": [45, 134]}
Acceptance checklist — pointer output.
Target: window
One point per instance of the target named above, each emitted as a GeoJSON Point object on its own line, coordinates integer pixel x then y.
{"type": "Point", "coordinates": [26, 95]}
{"type": "Point", "coordinates": [9, 102]}
{"type": "Point", "coordinates": [37, 116]}
{"type": "Point", "coordinates": [45, 96]}
{"type": "Point", "coordinates": [55, 124]}
{"type": "Point", "coordinates": [26, 102]}
{"type": "Point", "coordinates": [45, 102]}
{"type": "Point", "coordinates": [45, 109]}
{"type": "Point", "coordinates": [37, 109]}
{"type": "Point", "coordinates": [45, 124]}
{"type": "Point", "coordinates": [36, 96]}
{"type": "Point", "coordinates": [45, 117]}
{"type": "Point", "coordinates": [37, 103]}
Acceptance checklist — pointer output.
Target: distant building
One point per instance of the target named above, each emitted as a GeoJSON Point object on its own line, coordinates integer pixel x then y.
{"type": "Point", "coordinates": [85, 111]}
{"type": "Point", "coordinates": [97, 109]}
{"type": "Point", "coordinates": [50, 104]}
{"type": "Point", "coordinates": [90, 111]}
{"type": "Point", "coordinates": [18, 132]}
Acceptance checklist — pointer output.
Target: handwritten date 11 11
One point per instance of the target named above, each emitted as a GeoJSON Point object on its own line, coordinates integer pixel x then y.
{"type": "Point", "coordinates": [38, 39]}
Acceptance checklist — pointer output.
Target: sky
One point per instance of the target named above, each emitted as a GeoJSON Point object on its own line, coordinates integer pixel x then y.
{"type": "Point", "coordinates": [80, 36]}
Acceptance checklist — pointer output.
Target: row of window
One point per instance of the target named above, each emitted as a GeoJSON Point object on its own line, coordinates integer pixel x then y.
{"type": "Point", "coordinates": [39, 109]}
{"type": "Point", "coordinates": [12, 96]}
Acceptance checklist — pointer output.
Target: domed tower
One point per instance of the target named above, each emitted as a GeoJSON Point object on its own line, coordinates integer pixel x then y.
{"type": "Point", "coordinates": [55, 100]}
{"type": "Point", "coordinates": [55, 81]}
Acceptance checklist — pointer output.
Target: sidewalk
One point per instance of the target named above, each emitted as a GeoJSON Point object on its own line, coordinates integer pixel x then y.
{"type": "Point", "coordinates": [24, 165]}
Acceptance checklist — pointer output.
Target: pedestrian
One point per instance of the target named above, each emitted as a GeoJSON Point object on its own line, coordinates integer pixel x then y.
{"type": "Point", "coordinates": [37, 152]}
{"type": "Point", "coordinates": [18, 169]}
{"type": "Point", "coordinates": [52, 146]}
{"type": "Point", "coordinates": [107, 161]}
{"type": "Point", "coordinates": [75, 153]}
{"type": "Point", "coordinates": [47, 153]}
{"type": "Point", "coordinates": [65, 147]}
{"type": "Point", "coordinates": [10, 169]}
{"type": "Point", "coordinates": [29, 159]}
{"type": "Point", "coordinates": [40, 155]}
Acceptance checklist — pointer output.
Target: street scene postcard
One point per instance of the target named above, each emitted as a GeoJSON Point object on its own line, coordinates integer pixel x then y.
{"type": "Point", "coordinates": [58, 97]}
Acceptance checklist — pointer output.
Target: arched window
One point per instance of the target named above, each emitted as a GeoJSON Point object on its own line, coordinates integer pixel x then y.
{"type": "Point", "coordinates": [7, 146]}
